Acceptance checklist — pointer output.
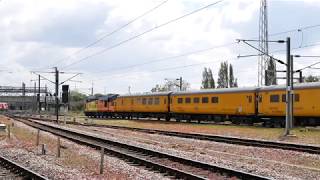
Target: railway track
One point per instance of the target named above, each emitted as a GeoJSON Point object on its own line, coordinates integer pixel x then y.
{"type": "Point", "coordinates": [12, 170]}
{"type": "Point", "coordinates": [208, 137]}
{"type": "Point", "coordinates": [169, 165]}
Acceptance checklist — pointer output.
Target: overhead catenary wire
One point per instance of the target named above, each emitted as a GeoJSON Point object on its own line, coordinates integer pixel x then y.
{"type": "Point", "coordinates": [166, 69]}
{"type": "Point", "coordinates": [110, 33]}
{"type": "Point", "coordinates": [191, 53]}
{"type": "Point", "coordinates": [141, 34]}
{"type": "Point", "coordinates": [155, 60]}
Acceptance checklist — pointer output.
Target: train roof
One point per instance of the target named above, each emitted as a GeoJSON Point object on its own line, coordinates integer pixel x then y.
{"type": "Point", "coordinates": [217, 91]}
{"type": "Point", "coordinates": [108, 97]}
{"type": "Point", "coordinates": [91, 98]}
{"type": "Point", "coordinates": [310, 85]}
{"type": "Point", "coordinates": [147, 94]}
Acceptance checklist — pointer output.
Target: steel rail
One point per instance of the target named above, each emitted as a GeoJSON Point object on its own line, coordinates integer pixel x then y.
{"type": "Point", "coordinates": [216, 138]}
{"type": "Point", "coordinates": [20, 170]}
{"type": "Point", "coordinates": [133, 153]}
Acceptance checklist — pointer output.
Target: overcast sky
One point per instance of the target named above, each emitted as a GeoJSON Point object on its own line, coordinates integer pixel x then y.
{"type": "Point", "coordinates": [41, 34]}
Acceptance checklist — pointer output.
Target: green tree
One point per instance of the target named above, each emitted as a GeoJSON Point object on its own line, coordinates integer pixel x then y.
{"type": "Point", "coordinates": [311, 78]}
{"type": "Point", "coordinates": [270, 74]}
{"type": "Point", "coordinates": [205, 79]}
{"type": "Point", "coordinates": [226, 77]}
{"type": "Point", "coordinates": [77, 101]}
{"type": "Point", "coordinates": [211, 82]}
{"type": "Point", "coordinates": [223, 75]}
{"type": "Point", "coordinates": [231, 76]}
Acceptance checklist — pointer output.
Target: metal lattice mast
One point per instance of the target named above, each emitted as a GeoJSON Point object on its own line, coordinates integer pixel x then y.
{"type": "Point", "coordinates": [263, 43]}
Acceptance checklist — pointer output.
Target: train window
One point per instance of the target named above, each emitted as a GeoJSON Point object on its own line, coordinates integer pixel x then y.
{"type": "Point", "coordinates": [150, 100]}
{"type": "Point", "coordinates": [188, 100]}
{"type": "Point", "coordinates": [180, 100]}
{"type": "Point", "coordinates": [260, 98]}
{"type": "Point", "coordinates": [196, 100]}
{"type": "Point", "coordinates": [250, 99]}
{"type": "Point", "coordinates": [121, 101]}
{"type": "Point", "coordinates": [156, 101]}
{"type": "Point", "coordinates": [274, 98]}
{"type": "Point", "coordinates": [296, 97]}
{"type": "Point", "coordinates": [165, 101]}
{"type": "Point", "coordinates": [214, 100]}
{"type": "Point", "coordinates": [132, 102]}
{"type": "Point", "coordinates": [205, 99]}
{"type": "Point", "coordinates": [284, 98]}
{"type": "Point", "coordinates": [138, 100]}
{"type": "Point", "coordinates": [105, 103]}
{"type": "Point", "coordinates": [144, 100]}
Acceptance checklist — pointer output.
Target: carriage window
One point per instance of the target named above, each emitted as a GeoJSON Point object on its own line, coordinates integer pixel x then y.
{"type": "Point", "coordinates": [296, 97]}
{"type": "Point", "coordinates": [250, 99]}
{"type": "Point", "coordinates": [205, 99]}
{"type": "Point", "coordinates": [180, 100]}
{"type": "Point", "coordinates": [260, 99]}
{"type": "Point", "coordinates": [165, 101]}
{"type": "Point", "coordinates": [156, 101]}
{"type": "Point", "coordinates": [144, 100]}
{"type": "Point", "coordinates": [150, 100]}
{"type": "Point", "coordinates": [214, 100]}
{"type": "Point", "coordinates": [196, 100]}
{"type": "Point", "coordinates": [274, 98]}
{"type": "Point", "coordinates": [188, 100]}
{"type": "Point", "coordinates": [105, 103]}
{"type": "Point", "coordinates": [122, 101]}
{"type": "Point", "coordinates": [284, 98]}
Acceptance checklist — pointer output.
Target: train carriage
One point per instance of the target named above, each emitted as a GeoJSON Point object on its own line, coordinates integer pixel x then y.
{"type": "Point", "coordinates": [145, 105]}
{"type": "Point", "coordinates": [306, 98]}
{"type": "Point", "coordinates": [214, 104]}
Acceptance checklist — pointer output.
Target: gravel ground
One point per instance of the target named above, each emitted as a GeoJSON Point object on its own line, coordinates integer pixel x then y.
{"type": "Point", "coordinates": [274, 163]}
{"type": "Point", "coordinates": [76, 162]}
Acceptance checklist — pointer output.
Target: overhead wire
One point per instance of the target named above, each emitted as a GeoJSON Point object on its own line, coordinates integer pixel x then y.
{"type": "Point", "coordinates": [141, 34]}
{"type": "Point", "coordinates": [169, 57]}
{"type": "Point", "coordinates": [155, 60]}
{"type": "Point", "coordinates": [166, 69]}
{"type": "Point", "coordinates": [110, 33]}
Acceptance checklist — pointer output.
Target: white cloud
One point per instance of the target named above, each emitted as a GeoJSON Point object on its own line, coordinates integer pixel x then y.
{"type": "Point", "coordinates": [38, 33]}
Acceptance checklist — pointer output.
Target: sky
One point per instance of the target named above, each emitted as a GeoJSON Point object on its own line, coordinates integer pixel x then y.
{"type": "Point", "coordinates": [37, 35]}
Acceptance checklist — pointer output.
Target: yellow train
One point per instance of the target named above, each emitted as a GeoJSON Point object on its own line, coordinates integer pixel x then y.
{"type": "Point", "coordinates": [239, 105]}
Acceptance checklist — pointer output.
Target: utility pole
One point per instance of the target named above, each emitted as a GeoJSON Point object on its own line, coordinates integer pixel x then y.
{"type": "Point", "coordinates": [180, 83]}
{"type": "Point", "coordinates": [56, 83]}
{"type": "Point", "coordinates": [34, 107]}
{"type": "Point", "coordinates": [38, 96]}
{"type": "Point", "coordinates": [288, 90]}
{"type": "Point", "coordinates": [57, 93]}
{"type": "Point", "coordinates": [292, 91]}
{"type": "Point", "coordinates": [92, 89]}
{"type": "Point", "coordinates": [45, 98]}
